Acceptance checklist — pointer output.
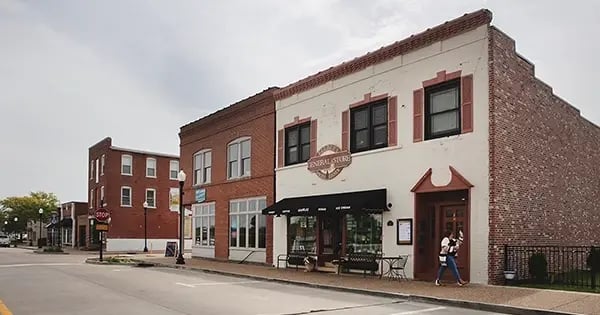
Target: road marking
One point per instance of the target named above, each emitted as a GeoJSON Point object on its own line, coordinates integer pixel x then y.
{"type": "Point", "coordinates": [193, 285]}
{"type": "Point", "coordinates": [46, 264]}
{"type": "Point", "coordinates": [4, 309]}
{"type": "Point", "coordinates": [433, 309]}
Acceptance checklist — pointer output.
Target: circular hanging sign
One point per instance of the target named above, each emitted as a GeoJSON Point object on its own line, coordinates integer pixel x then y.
{"type": "Point", "coordinates": [329, 161]}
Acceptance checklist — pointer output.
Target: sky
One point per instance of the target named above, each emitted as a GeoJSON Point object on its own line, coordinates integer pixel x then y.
{"type": "Point", "coordinates": [75, 72]}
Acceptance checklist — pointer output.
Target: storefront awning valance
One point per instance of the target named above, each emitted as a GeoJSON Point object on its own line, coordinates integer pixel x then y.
{"type": "Point", "coordinates": [67, 223]}
{"type": "Point", "coordinates": [371, 201]}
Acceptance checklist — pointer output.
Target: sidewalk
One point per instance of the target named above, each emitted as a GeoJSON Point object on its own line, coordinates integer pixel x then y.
{"type": "Point", "coordinates": [503, 299]}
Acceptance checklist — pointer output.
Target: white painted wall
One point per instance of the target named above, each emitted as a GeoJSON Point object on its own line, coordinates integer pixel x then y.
{"type": "Point", "coordinates": [399, 168]}
{"type": "Point", "coordinates": [237, 254]}
{"type": "Point", "coordinates": [137, 244]}
{"type": "Point", "coordinates": [203, 251]}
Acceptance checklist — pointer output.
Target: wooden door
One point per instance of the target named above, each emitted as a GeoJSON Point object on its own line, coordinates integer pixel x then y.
{"type": "Point", "coordinates": [455, 218]}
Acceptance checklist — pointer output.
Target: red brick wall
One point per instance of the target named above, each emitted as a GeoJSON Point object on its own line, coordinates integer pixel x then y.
{"type": "Point", "coordinates": [253, 117]}
{"type": "Point", "coordinates": [128, 222]}
{"type": "Point", "coordinates": [544, 174]}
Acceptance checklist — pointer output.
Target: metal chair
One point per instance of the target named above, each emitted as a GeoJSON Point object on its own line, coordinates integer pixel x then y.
{"type": "Point", "coordinates": [397, 269]}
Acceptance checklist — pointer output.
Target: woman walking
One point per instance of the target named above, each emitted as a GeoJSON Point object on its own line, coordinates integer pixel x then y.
{"type": "Point", "coordinates": [450, 247]}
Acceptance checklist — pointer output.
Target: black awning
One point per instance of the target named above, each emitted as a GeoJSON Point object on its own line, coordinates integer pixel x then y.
{"type": "Point", "coordinates": [372, 201]}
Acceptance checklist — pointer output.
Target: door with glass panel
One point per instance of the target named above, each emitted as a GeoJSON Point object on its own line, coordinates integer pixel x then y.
{"type": "Point", "coordinates": [455, 218]}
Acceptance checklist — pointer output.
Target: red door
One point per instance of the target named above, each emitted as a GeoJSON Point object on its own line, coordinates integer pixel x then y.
{"type": "Point", "coordinates": [454, 218]}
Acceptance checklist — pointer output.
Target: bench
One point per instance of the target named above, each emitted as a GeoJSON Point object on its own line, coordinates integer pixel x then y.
{"type": "Point", "coordinates": [360, 261]}
{"type": "Point", "coordinates": [294, 258]}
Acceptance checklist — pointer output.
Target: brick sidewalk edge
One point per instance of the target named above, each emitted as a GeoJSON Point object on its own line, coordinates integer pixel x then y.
{"type": "Point", "coordinates": [487, 307]}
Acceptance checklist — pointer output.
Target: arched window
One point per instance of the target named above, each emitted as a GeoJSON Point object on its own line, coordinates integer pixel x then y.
{"type": "Point", "coordinates": [238, 158]}
{"type": "Point", "coordinates": [202, 167]}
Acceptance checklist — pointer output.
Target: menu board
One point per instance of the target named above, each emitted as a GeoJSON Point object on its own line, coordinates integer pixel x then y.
{"type": "Point", "coordinates": [404, 232]}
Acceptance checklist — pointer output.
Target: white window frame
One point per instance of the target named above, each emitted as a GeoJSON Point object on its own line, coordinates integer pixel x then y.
{"type": "Point", "coordinates": [258, 212]}
{"type": "Point", "coordinates": [203, 212]}
{"type": "Point", "coordinates": [102, 161]}
{"type": "Point", "coordinates": [203, 172]}
{"type": "Point", "coordinates": [238, 159]}
{"type": "Point", "coordinates": [92, 169]}
{"type": "Point", "coordinates": [123, 158]}
{"type": "Point", "coordinates": [130, 196]}
{"type": "Point", "coordinates": [153, 205]}
{"type": "Point", "coordinates": [102, 200]}
{"type": "Point", "coordinates": [91, 198]}
{"type": "Point", "coordinates": [97, 170]}
{"type": "Point", "coordinates": [173, 167]}
{"type": "Point", "coordinates": [148, 161]}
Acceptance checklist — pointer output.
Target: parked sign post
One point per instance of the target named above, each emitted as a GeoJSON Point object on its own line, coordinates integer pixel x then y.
{"type": "Point", "coordinates": [102, 215]}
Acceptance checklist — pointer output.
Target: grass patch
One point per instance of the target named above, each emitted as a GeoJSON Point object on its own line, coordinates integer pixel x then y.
{"type": "Point", "coordinates": [53, 249]}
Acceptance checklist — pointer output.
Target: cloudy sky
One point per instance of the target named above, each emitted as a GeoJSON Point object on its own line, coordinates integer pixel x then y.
{"type": "Point", "coordinates": [74, 72]}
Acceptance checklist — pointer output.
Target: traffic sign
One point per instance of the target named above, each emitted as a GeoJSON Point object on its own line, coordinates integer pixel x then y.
{"type": "Point", "coordinates": [102, 214]}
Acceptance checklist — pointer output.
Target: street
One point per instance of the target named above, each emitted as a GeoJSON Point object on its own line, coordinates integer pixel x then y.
{"type": "Point", "coordinates": [33, 284]}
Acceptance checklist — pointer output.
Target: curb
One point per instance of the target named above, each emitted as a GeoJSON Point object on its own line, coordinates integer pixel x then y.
{"type": "Point", "coordinates": [96, 261]}
{"type": "Point", "coordinates": [49, 253]}
{"type": "Point", "coordinates": [481, 306]}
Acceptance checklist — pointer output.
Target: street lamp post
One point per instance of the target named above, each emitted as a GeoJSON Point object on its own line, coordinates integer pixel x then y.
{"type": "Point", "coordinates": [16, 219]}
{"type": "Point", "coordinates": [181, 179]}
{"type": "Point", "coordinates": [145, 226]}
{"type": "Point", "coordinates": [41, 212]}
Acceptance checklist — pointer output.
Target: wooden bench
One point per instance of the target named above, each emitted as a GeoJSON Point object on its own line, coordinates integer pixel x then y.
{"type": "Point", "coordinates": [360, 261]}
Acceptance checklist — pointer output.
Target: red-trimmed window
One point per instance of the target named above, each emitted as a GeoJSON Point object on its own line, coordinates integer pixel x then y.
{"type": "Point", "coordinates": [443, 110]}
{"type": "Point", "coordinates": [297, 144]}
{"type": "Point", "coordinates": [369, 126]}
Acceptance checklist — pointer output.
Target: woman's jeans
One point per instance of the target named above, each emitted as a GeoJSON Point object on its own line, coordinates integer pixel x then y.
{"type": "Point", "coordinates": [451, 263]}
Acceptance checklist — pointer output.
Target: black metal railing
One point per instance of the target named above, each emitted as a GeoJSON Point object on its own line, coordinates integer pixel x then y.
{"type": "Point", "coordinates": [577, 266]}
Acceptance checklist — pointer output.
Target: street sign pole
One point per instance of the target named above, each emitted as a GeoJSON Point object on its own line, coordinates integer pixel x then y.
{"type": "Point", "coordinates": [102, 215]}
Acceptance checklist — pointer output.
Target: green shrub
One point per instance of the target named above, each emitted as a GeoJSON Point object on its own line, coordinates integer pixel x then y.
{"type": "Point", "coordinates": [538, 267]}
{"type": "Point", "coordinates": [593, 259]}
{"type": "Point", "coordinates": [53, 249]}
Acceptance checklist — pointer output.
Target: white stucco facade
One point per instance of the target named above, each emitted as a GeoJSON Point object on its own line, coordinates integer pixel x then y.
{"type": "Point", "coordinates": [400, 167]}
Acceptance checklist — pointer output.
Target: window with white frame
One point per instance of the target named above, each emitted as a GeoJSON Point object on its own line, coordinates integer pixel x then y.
{"type": "Point", "coordinates": [102, 196]}
{"type": "Point", "coordinates": [202, 167]}
{"type": "Point", "coordinates": [67, 235]}
{"type": "Point", "coordinates": [173, 169]}
{"type": "Point", "coordinates": [91, 198]}
{"type": "Point", "coordinates": [91, 169]}
{"type": "Point", "coordinates": [126, 196]}
{"type": "Point", "coordinates": [238, 158]}
{"type": "Point", "coordinates": [248, 227]}
{"type": "Point", "coordinates": [204, 224]}
{"type": "Point", "coordinates": [102, 161]}
{"type": "Point", "coordinates": [126, 164]}
{"type": "Point", "coordinates": [97, 170]}
{"type": "Point", "coordinates": [150, 167]}
{"type": "Point", "coordinates": [151, 197]}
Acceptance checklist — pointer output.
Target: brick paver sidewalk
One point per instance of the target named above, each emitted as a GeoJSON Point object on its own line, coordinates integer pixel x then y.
{"type": "Point", "coordinates": [550, 300]}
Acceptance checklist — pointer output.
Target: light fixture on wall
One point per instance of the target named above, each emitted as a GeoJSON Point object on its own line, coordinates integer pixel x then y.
{"type": "Point", "coordinates": [390, 223]}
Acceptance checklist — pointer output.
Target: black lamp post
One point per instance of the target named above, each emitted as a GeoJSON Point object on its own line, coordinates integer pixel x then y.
{"type": "Point", "coordinates": [145, 226]}
{"type": "Point", "coordinates": [181, 178]}
{"type": "Point", "coordinates": [41, 212]}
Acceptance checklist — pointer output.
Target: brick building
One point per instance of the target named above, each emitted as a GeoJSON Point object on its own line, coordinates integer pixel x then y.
{"type": "Point", "coordinates": [124, 179]}
{"type": "Point", "coordinates": [448, 129]}
{"type": "Point", "coordinates": [229, 157]}
{"type": "Point", "coordinates": [71, 213]}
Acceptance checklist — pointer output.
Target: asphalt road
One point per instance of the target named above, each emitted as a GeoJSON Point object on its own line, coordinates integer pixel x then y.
{"type": "Point", "coordinates": [33, 284]}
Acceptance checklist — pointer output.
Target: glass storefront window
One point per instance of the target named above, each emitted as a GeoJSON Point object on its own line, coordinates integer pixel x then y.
{"type": "Point", "coordinates": [363, 233]}
{"type": "Point", "coordinates": [302, 234]}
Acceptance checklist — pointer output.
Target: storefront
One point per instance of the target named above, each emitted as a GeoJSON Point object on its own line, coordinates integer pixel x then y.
{"type": "Point", "coordinates": [331, 226]}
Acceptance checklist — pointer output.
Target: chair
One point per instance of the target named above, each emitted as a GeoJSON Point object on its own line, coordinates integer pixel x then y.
{"type": "Point", "coordinates": [397, 269]}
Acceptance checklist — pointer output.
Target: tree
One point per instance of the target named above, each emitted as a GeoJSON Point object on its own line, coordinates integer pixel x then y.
{"type": "Point", "coordinates": [26, 208]}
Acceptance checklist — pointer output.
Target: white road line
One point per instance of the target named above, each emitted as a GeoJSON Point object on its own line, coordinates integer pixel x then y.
{"type": "Point", "coordinates": [193, 285]}
{"type": "Point", "coordinates": [433, 309]}
{"type": "Point", "coordinates": [32, 265]}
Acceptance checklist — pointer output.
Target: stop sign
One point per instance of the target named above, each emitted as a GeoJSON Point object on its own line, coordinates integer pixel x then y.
{"type": "Point", "coordinates": [102, 214]}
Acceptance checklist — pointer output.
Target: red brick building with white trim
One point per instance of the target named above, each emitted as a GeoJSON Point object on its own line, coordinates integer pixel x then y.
{"type": "Point", "coordinates": [229, 159]}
